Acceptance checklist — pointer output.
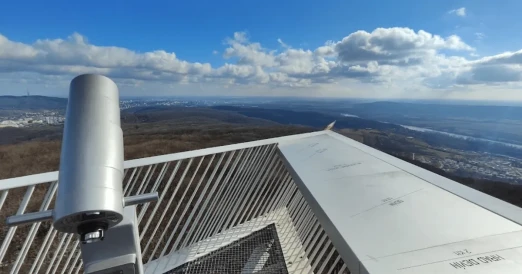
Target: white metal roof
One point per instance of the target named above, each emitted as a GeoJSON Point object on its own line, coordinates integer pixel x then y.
{"type": "Point", "coordinates": [385, 215]}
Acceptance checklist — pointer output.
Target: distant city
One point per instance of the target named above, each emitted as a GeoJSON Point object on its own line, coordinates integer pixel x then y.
{"type": "Point", "coordinates": [479, 165]}
{"type": "Point", "coordinates": [56, 117]}
{"type": "Point", "coordinates": [26, 119]}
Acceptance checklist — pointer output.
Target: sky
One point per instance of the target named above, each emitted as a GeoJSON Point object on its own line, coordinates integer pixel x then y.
{"type": "Point", "coordinates": [403, 49]}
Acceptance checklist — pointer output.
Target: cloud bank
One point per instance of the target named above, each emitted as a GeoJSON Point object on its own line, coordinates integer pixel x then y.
{"type": "Point", "coordinates": [395, 58]}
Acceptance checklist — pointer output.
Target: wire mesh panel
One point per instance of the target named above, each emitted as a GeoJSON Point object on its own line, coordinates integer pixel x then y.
{"type": "Point", "coordinates": [200, 197]}
{"type": "Point", "coordinates": [259, 252]}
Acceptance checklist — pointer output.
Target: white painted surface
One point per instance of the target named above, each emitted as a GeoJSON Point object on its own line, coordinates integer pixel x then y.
{"type": "Point", "coordinates": [384, 219]}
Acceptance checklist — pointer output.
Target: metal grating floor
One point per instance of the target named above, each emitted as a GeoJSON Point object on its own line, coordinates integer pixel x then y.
{"type": "Point", "coordinates": [259, 252]}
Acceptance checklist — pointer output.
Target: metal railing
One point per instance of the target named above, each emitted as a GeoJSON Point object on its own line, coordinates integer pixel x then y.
{"type": "Point", "coordinates": [205, 194]}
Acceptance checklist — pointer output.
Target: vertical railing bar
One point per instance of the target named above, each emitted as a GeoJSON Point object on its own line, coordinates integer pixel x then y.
{"type": "Point", "coordinates": [277, 201]}
{"type": "Point", "coordinates": [300, 210]}
{"type": "Point", "coordinates": [198, 202]}
{"type": "Point", "coordinates": [256, 185]}
{"type": "Point", "coordinates": [247, 183]}
{"type": "Point", "coordinates": [261, 185]}
{"type": "Point", "coordinates": [73, 266]}
{"type": "Point", "coordinates": [294, 210]}
{"type": "Point", "coordinates": [314, 250]}
{"type": "Point", "coordinates": [177, 207]}
{"type": "Point", "coordinates": [280, 192]}
{"type": "Point", "coordinates": [314, 225]}
{"type": "Point", "coordinates": [283, 189]}
{"type": "Point", "coordinates": [12, 230]}
{"type": "Point", "coordinates": [44, 244]}
{"type": "Point", "coordinates": [147, 178]}
{"type": "Point", "coordinates": [187, 222]}
{"type": "Point", "coordinates": [178, 185]}
{"type": "Point", "coordinates": [51, 263]}
{"type": "Point", "coordinates": [127, 185]}
{"type": "Point", "coordinates": [284, 229]}
{"type": "Point", "coordinates": [79, 267]}
{"type": "Point", "coordinates": [300, 221]}
{"type": "Point", "coordinates": [308, 240]}
{"type": "Point", "coordinates": [310, 222]}
{"type": "Point", "coordinates": [342, 269]}
{"type": "Point", "coordinates": [290, 242]}
{"type": "Point", "coordinates": [313, 258]}
{"type": "Point", "coordinates": [253, 179]}
{"type": "Point", "coordinates": [268, 187]}
{"type": "Point", "coordinates": [3, 197]}
{"type": "Point", "coordinates": [73, 251]}
{"type": "Point", "coordinates": [64, 248]}
{"type": "Point", "coordinates": [162, 196]}
{"type": "Point", "coordinates": [47, 246]}
{"type": "Point", "coordinates": [312, 237]}
{"type": "Point", "coordinates": [218, 203]}
{"type": "Point", "coordinates": [237, 187]}
{"type": "Point", "coordinates": [232, 190]}
{"type": "Point", "coordinates": [285, 201]}
{"type": "Point", "coordinates": [227, 237]}
{"type": "Point", "coordinates": [309, 228]}
{"type": "Point", "coordinates": [295, 205]}
{"type": "Point", "coordinates": [325, 262]}
{"type": "Point", "coordinates": [300, 239]}
{"type": "Point", "coordinates": [34, 228]}
{"type": "Point", "coordinates": [336, 261]}
{"type": "Point", "coordinates": [300, 229]}
{"type": "Point", "coordinates": [135, 180]}
{"type": "Point", "coordinates": [295, 195]}
{"type": "Point", "coordinates": [204, 223]}
{"type": "Point", "coordinates": [187, 187]}
{"type": "Point", "coordinates": [254, 182]}
{"type": "Point", "coordinates": [154, 188]}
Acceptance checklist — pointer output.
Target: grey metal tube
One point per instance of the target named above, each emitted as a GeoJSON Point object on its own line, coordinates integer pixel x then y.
{"type": "Point", "coordinates": [91, 162]}
{"type": "Point", "coordinates": [33, 217]}
{"type": "Point", "coordinates": [140, 199]}
{"type": "Point", "coordinates": [29, 218]}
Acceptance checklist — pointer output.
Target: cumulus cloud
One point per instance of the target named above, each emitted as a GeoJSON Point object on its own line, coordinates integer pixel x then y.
{"type": "Point", "coordinates": [459, 12]}
{"type": "Point", "coordinates": [399, 57]}
{"type": "Point", "coordinates": [75, 55]}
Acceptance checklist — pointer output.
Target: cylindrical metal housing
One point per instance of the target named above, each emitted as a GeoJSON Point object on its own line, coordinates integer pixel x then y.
{"type": "Point", "coordinates": [90, 194]}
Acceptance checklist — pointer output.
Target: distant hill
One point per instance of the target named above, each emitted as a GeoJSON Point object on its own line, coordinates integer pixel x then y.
{"type": "Point", "coordinates": [189, 116]}
{"type": "Point", "coordinates": [149, 120]}
{"type": "Point", "coordinates": [307, 118]}
{"type": "Point", "coordinates": [32, 102]}
{"type": "Point", "coordinates": [385, 109]}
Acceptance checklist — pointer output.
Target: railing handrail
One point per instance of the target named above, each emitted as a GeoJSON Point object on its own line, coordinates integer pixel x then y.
{"type": "Point", "coordinates": [47, 177]}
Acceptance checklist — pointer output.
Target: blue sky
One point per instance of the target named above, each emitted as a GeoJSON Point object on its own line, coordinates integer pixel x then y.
{"type": "Point", "coordinates": [236, 46]}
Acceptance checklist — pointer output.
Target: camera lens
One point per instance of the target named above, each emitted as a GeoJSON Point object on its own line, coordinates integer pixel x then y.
{"type": "Point", "coordinates": [92, 237]}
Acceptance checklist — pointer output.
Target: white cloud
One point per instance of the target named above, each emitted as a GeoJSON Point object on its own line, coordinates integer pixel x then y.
{"type": "Point", "coordinates": [459, 12]}
{"type": "Point", "coordinates": [388, 60]}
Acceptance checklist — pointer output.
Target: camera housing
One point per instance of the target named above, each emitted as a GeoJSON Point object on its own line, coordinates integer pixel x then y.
{"type": "Point", "coordinates": [89, 199]}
